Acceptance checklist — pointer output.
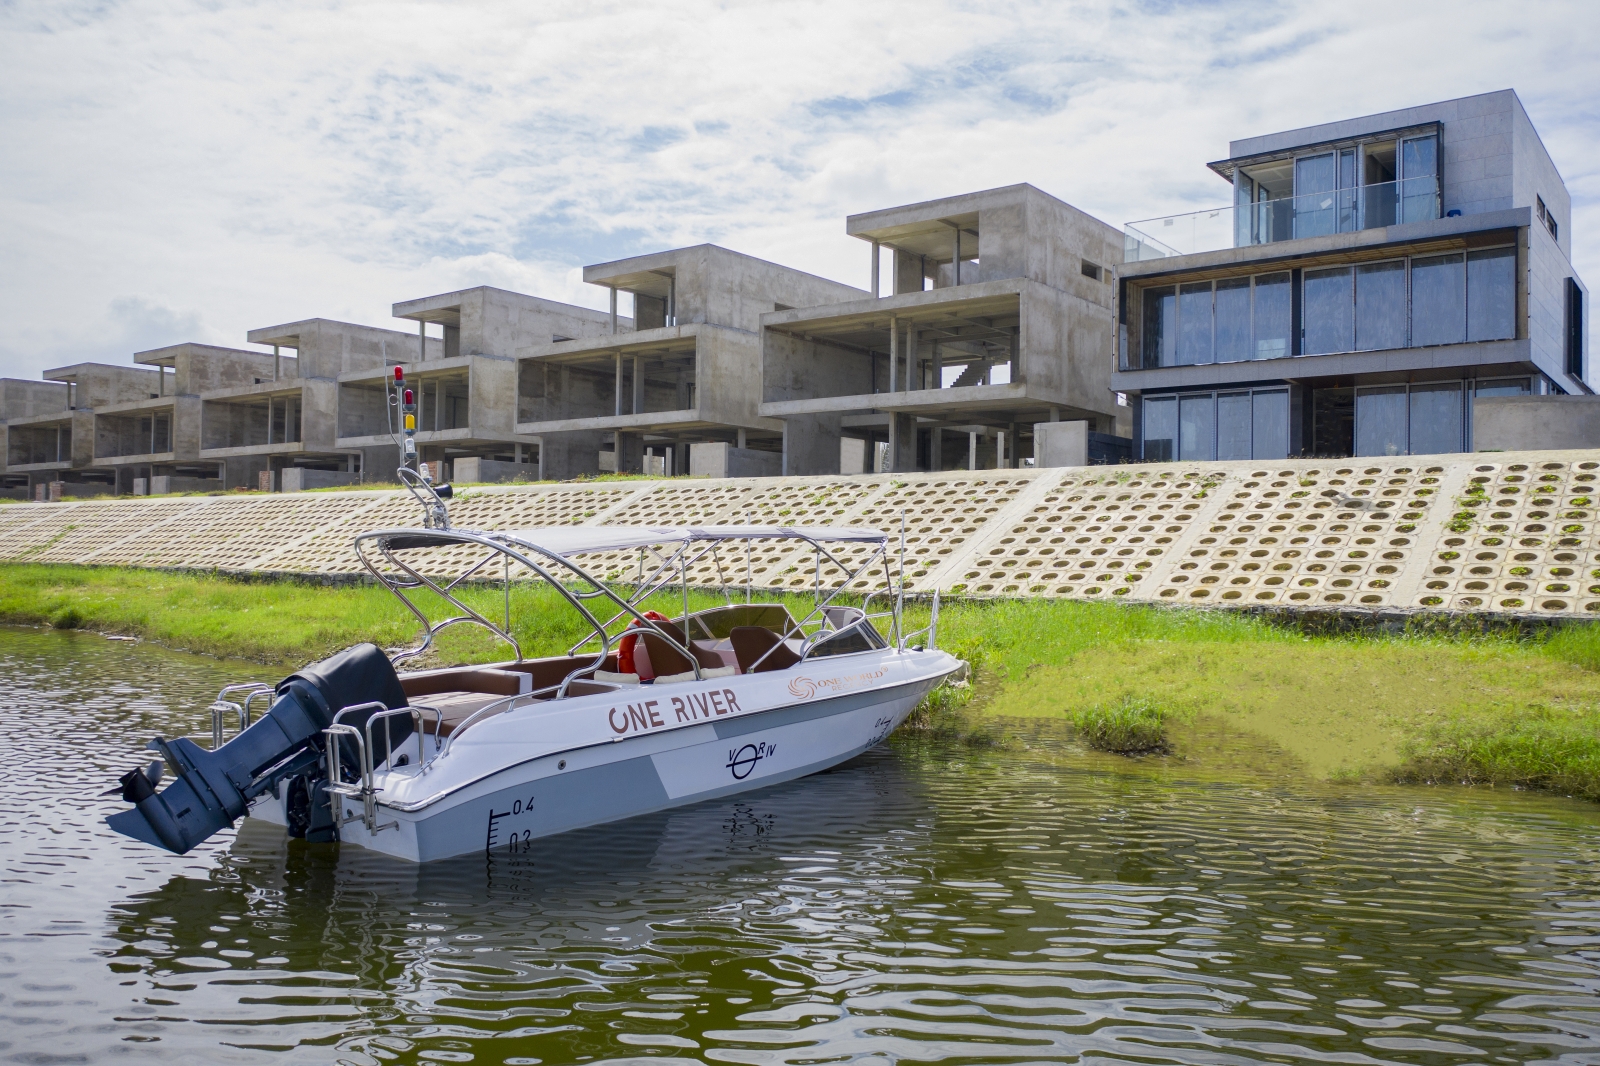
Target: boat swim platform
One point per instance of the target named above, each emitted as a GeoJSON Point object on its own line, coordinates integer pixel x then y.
{"type": "Point", "coordinates": [1508, 533]}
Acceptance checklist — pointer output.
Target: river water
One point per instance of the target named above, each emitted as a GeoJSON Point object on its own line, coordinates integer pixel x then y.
{"type": "Point", "coordinates": [921, 904]}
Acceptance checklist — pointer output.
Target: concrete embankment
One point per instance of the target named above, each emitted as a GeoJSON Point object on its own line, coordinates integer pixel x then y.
{"type": "Point", "coordinates": [1495, 532]}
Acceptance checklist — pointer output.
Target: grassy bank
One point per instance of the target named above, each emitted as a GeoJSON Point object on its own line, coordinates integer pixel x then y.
{"type": "Point", "coordinates": [1426, 707]}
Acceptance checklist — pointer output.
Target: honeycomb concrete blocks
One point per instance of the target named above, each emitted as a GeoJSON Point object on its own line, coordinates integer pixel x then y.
{"type": "Point", "coordinates": [1510, 532]}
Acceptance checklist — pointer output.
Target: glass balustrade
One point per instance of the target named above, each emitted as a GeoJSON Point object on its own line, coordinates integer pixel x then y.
{"type": "Point", "coordinates": [1311, 215]}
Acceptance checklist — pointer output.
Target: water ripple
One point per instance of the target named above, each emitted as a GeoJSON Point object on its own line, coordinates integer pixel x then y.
{"type": "Point", "coordinates": [919, 904]}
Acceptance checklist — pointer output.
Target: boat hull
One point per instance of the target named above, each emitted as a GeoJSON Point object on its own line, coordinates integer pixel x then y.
{"type": "Point", "coordinates": [507, 811]}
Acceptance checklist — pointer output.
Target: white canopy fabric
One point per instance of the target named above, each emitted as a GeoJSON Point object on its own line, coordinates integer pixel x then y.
{"type": "Point", "coordinates": [575, 540]}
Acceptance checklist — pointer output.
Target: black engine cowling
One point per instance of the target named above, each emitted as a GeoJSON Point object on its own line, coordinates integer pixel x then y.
{"type": "Point", "coordinates": [213, 788]}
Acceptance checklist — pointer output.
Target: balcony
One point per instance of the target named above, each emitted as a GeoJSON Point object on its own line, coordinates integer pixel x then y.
{"type": "Point", "coordinates": [1316, 214]}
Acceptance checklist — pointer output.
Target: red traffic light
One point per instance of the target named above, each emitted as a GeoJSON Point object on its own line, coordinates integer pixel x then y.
{"type": "Point", "coordinates": [408, 397]}
{"type": "Point", "coordinates": [399, 373]}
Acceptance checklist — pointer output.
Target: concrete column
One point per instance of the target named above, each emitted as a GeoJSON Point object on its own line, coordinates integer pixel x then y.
{"type": "Point", "coordinates": [938, 366]}
{"type": "Point", "coordinates": [613, 309]}
{"type": "Point", "coordinates": [1000, 442]}
{"type": "Point", "coordinates": [277, 364]}
{"type": "Point", "coordinates": [438, 404]}
{"type": "Point", "coordinates": [638, 384]}
{"type": "Point", "coordinates": [422, 341]}
{"type": "Point", "coordinates": [972, 449]}
{"type": "Point", "coordinates": [1055, 414]}
{"type": "Point", "coordinates": [1012, 451]}
{"type": "Point", "coordinates": [894, 350]}
{"type": "Point", "coordinates": [902, 443]}
{"type": "Point", "coordinates": [739, 440]}
{"type": "Point", "coordinates": [875, 260]}
{"type": "Point", "coordinates": [936, 449]}
{"type": "Point", "coordinates": [619, 384]}
{"type": "Point", "coordinates": [913, 342]}
{"type": "Point", "coordinates": [672, 300]}
{"type": "Point", "coordinates": [269, 419]}
{"type": "Point", "coordinates": [630, 453]}
{"type": "Point", "coordinates": [955, 256]}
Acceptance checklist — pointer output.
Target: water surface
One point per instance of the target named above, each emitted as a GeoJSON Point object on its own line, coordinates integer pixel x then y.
{"type": "Point", "coordinates": [921, 904]}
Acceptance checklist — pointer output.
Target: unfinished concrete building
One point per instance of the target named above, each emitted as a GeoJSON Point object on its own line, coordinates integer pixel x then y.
{"type": "Point", "coordinates": [158, 435]}
{"type": "Point", "coordinates": [286, 424]}
{"type": "Point", "coordinates": [681, 384]}
{"type": "Point", "coordinates": [49, 440]}
{"type": "Point", "coordinates": [56, 444]}
{"type": "Point", "coordinates": [1001, 316]}
{"type": "Point", "coordinates": [466, 414]}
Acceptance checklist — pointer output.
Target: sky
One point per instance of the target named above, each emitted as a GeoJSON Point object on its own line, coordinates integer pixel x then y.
{"type": "Point", "coordinates": [173, 170]}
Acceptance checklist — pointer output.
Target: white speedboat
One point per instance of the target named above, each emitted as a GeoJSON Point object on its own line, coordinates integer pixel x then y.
{"type": "Point", "coordinates": [648, 712]}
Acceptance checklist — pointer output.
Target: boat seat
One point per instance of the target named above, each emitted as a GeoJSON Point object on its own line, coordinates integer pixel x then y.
{"type": "Point", "coordinates": [456, 707]}
{"type": "Point", "coordinates": [491, 680]}
{"type": "Point", "coordinates": [720, 622]}
{"type": "Point", "coordinates": [666, 660]}
{"type": "Point", "coordinates": [750, 643]}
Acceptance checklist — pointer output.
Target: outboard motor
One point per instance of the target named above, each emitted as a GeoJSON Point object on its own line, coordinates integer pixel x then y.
{"type": "Point", "coordinates": [213, 788]}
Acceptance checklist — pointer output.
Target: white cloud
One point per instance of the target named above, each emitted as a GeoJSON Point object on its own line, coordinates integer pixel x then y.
{"type": "Point", "coordinates": [258, 163]}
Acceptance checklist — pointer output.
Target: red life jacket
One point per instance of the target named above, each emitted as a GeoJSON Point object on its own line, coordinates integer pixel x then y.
{"type": "Point", "coordinates": [625, 664]}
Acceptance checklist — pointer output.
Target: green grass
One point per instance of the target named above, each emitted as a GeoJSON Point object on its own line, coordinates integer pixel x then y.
{"type": "Point", "coordinates": [1455, 706]}
{"type": "Point", "coordinates": [1131, 726]}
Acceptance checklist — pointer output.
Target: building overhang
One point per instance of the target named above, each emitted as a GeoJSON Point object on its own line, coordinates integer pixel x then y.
{"type": "Point", "coordinates": [666, 339]}
{"type": "Point", "coordinates": [135, 460]}
{"type": "Point", "coordinates": [139, 407]}
{"type": "Point", "coordinates": [283, 387]}
{"type": "Point", "coordinates": [682, 421]}
{"type": "Point", "coordinates": [290, 448]}
{"type": "Point", "coordinates": [1443, 233]}
{"type": "Point", "coordinates": [965, 402]}
{"type": "Point", "coordinates": [62, 419]}
{"type": "Point", "coordinates": [978, 299]}
{"type": "Point", "coordinates": [451, 438]}
{"type": "Point", "coordinates": [1346, 364]}
{"type": "Point", "coordinates": [1225, 167]}
{"type": "Point", "coordinates": [414, 370]}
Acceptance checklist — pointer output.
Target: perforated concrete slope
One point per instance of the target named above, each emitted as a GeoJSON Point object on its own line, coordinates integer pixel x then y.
{"type": "Point", "coordinates": [1503, 532]}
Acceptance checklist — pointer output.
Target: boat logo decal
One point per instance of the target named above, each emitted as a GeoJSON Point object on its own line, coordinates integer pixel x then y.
{"type": "Point", "coordinates": [648, 715]}
{"type": "Point", "coordinates": [806, 687]}
{"type": "Point", "coordinates": [742, 761]}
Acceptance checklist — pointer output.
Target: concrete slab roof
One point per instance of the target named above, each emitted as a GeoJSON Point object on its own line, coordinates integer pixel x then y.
{"type": "Point", "coordinates": [288, 334]}
{"type": "Point", "coordinates": [78, 371]}
{"type": "Point", "coordinates": [925, 228]}
{"type": "Point", "coordinates": [1383, 121]}
{"type": "Point", "coordinates": [652, 274]}
{"type": "Point", "coordinates": [445, 308]}
{"type": "Point", "coordinates": [168, 356]}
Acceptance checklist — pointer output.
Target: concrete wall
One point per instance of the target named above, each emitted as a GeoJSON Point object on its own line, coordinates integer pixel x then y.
{"type": "Point", "coordinates": [724, 460]}
{"type": "Point", "coordinates": [496, 322]}
{"type": "Point", "coordinates": [325, 348]}
{"type": "Point", "coordinates": [1065, 349]}
{"type": "Point", "coordinates": [811, 444]}
{"type": "Point", "coordinates": [725, 288]}
{"type": "Point", "coordinates": [21, 398]}
{"type": "Point", "coordinates": [1060, 444]}
{"type": "Point", "coordinates": [563, 456]}
{"type": "Point", "coordinates": [299, 479]}
{"type": "Point", "coordinates": [798, 369]}
{"type": "Point", "coordinates": [1523, 423]}
{"type": "Point", "coordinates": [470, 469]}
{"type": "Point", "coordinates": [728, 376]}
{"type": "Point", "coordinates": [98, 384]}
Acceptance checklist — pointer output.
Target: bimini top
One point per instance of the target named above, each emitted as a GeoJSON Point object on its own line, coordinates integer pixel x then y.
{"type": "Point", "coordinates": [566, 541]}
